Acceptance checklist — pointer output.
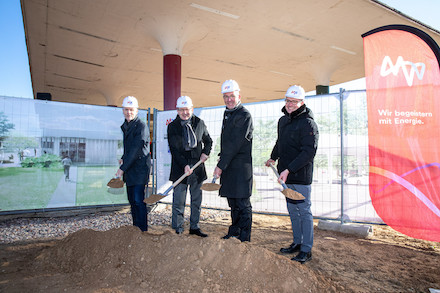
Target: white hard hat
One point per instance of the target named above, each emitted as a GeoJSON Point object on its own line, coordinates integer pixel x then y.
{"type": "Point", "coordinates": [130, 102]}
{"type": "Point", "coordinates": [296, 92]}
{"type": "Point", "coordinates": [230, 86]}
{"type": "Point", "coordinates": [184, 102]}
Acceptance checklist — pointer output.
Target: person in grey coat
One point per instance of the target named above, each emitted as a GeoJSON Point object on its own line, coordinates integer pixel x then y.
{"type": "Point", "coordinates": [189, 142]}
{"type": "Point", "coordinates": [135, 163]}
{"type": "Point", "coordinates": [295, 150]}
{"type": "Point", "coordinates": [235, 162]}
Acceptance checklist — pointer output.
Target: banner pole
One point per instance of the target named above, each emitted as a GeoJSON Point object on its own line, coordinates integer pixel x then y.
{"type": "Point", "coordinates": [341, 118]}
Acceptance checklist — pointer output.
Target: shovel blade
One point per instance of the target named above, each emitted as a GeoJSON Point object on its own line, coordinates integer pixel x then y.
{"type": "Point", "coordinates": [292, 194]}
{"type": "Point", "coordinates": [210, 186]}
{"type": "Point", "coordinates": [115, 183]}
{"type": "Point", "coordinates": [153, 198]}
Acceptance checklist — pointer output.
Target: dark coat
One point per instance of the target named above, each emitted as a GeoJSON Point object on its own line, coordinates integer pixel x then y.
{"type": "Point", "coordinates": [296, 145]}
{"type": "Point", "coordinates": [136, 160]}
{"type": "Point", "coordinates": [236, 154]}
{"type": "Point", "coordinates": [179, 156]}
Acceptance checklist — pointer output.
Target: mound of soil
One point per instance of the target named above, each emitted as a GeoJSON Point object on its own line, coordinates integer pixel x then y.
{"type": "Point", "coordinates": [127, 260]}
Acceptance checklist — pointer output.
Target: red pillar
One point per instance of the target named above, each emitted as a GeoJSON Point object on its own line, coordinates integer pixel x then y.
{"type": "Point", "coordinates": [172, 78]}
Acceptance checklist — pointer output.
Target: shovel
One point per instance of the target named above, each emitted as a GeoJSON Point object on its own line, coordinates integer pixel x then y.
{"type": "Point", "coordinates": [156, 197]}
{"type": "Point", "coordinates": [288, 192]}
{"type": "Point", "coordinates": [115, 186]}
{"type": "Point", "coordinates": [211, 186]}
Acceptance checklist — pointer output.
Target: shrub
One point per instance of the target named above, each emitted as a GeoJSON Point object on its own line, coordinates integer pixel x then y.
{"type": "Point", "coordinates": [44, 161]}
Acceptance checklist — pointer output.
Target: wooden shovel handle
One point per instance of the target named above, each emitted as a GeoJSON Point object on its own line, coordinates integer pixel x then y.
{"type": "Point", "coordinates": [185, 174]}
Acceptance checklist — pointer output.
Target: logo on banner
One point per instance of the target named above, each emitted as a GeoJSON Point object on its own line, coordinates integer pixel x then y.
{"type": "Point", "coordinates": [388, 67]}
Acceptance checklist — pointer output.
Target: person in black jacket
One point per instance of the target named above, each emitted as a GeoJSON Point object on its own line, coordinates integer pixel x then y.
{"type": "Point", "coordinates": [295, 150]}
{"type": "Point", "coordinates": [135, 162]}
{"type": "Point", "coordinates": [235, 162]}
{"type": "Point", "coordinates": [189, 142]}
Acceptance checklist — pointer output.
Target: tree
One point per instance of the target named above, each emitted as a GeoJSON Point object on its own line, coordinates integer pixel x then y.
{"type": "Point", "coordinates": [20, 143]}
{"type": "Point", "coordinates": [5, 127]}
{"type": "Point", "coordinates": [264, 137]}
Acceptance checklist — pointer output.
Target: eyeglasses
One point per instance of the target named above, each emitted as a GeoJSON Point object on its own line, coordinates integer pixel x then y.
{"type": "Point", "coordinates": [183, 109]}
{"type": "Point", "coordinates": [292, 101]}
{"type": "Point", "coordinates": [231, 97]}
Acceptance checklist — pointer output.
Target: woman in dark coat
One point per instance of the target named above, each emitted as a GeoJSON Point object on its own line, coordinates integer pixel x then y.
{"type": "Point", "coordinates": [135, 162]}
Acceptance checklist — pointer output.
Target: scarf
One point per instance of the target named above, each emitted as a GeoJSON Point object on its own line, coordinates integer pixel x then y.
{"type": "Point", "coordinates": [189, 137]}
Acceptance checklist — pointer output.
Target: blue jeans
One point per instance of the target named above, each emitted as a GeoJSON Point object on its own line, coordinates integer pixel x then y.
{"type": "Point", "coordinates": [136, 194]}
{"type": "Point", "coordinates": [301, 217]}
{"type": "Point", "coordinates": [179, 199]}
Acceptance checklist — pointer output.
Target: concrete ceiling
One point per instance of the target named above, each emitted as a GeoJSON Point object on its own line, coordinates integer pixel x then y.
{"type": "Point", "coordinates": [99, 51]}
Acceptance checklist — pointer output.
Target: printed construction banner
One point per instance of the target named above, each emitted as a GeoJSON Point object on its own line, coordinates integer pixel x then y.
{"type": "Point", "coordinates": [403, 100]}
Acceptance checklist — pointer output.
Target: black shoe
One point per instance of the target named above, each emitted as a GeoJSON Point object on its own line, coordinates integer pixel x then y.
{"type": "Point", "coordinates": [302, 257]}
{"type": "Point", "coordinates": [197, 232]}
{"type": "Point", "coordinates": [179, 232]}
{"type": "Point", "coordinates": [291, 249]}
{"type": "Point", "coordinates": [227, 236]}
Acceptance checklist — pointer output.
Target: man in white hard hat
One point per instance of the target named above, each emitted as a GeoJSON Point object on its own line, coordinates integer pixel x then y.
{"type": "Point", "coordinates": [135, 162]}
{"type": "Point", "coordinates": [295, 150]}
{"type": "Point", "coordinates": [235, 161]}
{"type": "Point", "coordinates": [189, 142]}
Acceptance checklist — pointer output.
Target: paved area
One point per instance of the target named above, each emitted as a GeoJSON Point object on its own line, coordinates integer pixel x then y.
{"type": "Point", "coordinates": [65, 194]}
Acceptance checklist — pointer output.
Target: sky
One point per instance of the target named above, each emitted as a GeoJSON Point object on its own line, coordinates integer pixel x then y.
{"type": "Point", "coordinates": [15, 79]}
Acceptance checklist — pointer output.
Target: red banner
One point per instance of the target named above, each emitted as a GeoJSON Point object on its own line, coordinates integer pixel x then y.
{"type": "Point", "coordinates": [403, 98]}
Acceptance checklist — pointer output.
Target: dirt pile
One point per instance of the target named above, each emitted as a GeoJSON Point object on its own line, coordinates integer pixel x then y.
{"type": "Point", "coordinates": [126, 259]}
{"type": "Point", "coordinates": [123, 259]}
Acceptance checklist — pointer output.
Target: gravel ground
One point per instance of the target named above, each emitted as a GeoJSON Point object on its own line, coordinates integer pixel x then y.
{"type": "Point", "coordinates": [31, 228]}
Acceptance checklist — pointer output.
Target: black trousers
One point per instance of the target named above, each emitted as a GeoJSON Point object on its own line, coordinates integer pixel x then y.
{"type": "Point", "coordinates": [241, 214]}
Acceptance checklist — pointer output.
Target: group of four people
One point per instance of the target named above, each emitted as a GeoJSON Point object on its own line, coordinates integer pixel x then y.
{"type": "Point", "coordinates": [190, 142]}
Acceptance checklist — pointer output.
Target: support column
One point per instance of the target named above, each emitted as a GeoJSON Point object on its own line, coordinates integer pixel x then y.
{"type": "Point", "coordinates": [322, 89]}
{"type": "Point", "coordinates": [172, 78]}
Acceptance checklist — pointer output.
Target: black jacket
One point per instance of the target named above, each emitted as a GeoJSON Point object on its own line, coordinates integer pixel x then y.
{"type": "Point", "coordinates": [296, 145]}
{"type": "Point", "coordinates": [136, 158]}
{"type": "Point", "coordinates": [179, 156]}
{"type": "Point", "coordinates": [236, 154]}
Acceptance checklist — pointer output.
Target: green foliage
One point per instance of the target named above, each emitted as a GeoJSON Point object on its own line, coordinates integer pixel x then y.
{"type": "Point", "coordinates": [321, 161]}
{"type": "Point", "coordinates": [44, 161]}
{"type": "Point", "coordinates": [354, 119]}
{"type": "Point", "coordinates": [264, 138]}
{"type": "Point", "coordinates": [20, 143]}
{"type": "Point", "coordinates": [4, 126]}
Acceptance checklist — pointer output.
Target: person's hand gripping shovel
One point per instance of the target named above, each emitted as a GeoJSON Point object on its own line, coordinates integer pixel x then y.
{"type": "Point", "coordinates": [116, 184]}
{"type": "Point", "coordinates": [288, 192]}
{"type": "Point", "coordinates": [156, 197]}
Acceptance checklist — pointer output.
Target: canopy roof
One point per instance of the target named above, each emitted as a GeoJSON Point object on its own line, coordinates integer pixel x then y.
{"type": "Point", "coordinates": [98, 52]}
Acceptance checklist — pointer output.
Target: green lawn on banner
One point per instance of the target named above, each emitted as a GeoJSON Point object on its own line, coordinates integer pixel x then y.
{"type": "Point", "coordinates": [91, 188]}
{"type": "Point", "coordinates": [27, 188]}
{"type": "Point", "coordinates": [32, 188]}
